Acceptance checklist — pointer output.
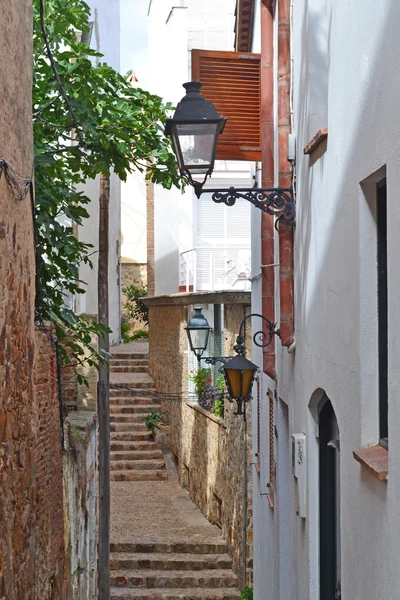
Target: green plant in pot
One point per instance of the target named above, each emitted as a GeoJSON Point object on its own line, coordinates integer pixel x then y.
{"type": "Point", "coordinates": [154, 421]}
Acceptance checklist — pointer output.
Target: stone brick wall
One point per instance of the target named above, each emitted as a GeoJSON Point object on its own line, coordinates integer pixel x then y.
{"type": "Point", "coordinates": [31, 511]}
{"type": "Point", "coordinates": [80, 490]}
{"type": "Point", "coordinates": [168, 359]}
{"type": "Point", "coordinates": [150, 237]}
{"type": "Point", "coordinates": [47, 453]}
{"type": "Point", "coordinates": [210, 452]}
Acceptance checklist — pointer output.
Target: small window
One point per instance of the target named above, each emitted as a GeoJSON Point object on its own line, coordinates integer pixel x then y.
{"type": "Point", "coordinates": [382, 274]}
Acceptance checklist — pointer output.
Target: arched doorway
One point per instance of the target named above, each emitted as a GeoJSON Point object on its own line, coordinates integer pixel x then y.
{"type": "Point", "coordinates": [329, 502]}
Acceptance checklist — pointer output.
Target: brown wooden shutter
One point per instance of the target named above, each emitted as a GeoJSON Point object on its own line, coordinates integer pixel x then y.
{"type": "Point", "coordinates": [231, 80]}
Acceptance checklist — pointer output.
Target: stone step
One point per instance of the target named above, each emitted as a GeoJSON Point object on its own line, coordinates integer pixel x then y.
{"type": "Point", "coordinates": [122, 362]}
{"type": "Point", "coordinates": [129, 409]}
{"type": "Point", "coordinates": [216, 546]}
{"type": "Point", "coordinates": [138, 475]}
{"type": "Point", "coordinates": [129, 436]}
{"type": "Point", "coordinates": [134, 426]}
{"type": "Point", "coordinates": [174, 579]}
{"type": "Point", "coordinates": [131, 384]}
{"type": "Point", "coordinates": [133, 399]}
{"type": "Point", "coordinates": [130, 355]}
{"type": "Point", "coordinates": [123, 392]}
{"type": "Point", "coordinates": [168, 562]}
{"type": "Point", "coordinates": [136, 455]}
{"type": "Point", "coordinates": [177, 594]}
{"type": "Point", "coordinates": [133, 446]}
{"type": "Point", "coordinates": [128, 369]}
{"type": "Point", "coordinates": [138, 465]}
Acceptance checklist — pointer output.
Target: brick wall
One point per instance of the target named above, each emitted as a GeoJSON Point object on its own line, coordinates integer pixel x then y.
{"type": "Point", "coordinates": [47, 463]}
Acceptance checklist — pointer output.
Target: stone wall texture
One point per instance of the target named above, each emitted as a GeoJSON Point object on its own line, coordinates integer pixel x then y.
{"type": "Point", "coordinates": [31, 519]}
{"type": "Point", "coordinates": [210, 452]}
{"type": "Point", "coordinates": [80, 491]}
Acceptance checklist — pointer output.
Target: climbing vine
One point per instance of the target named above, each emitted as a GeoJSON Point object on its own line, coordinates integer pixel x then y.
{"type": "Point", "coordinates": [88, 119]}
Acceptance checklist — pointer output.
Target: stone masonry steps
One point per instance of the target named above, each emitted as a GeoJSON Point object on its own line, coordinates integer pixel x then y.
{"type": "Point", "coordinates": [126, 369]}
{"type": "Point", "coordinates": [129, 426]}
{"type": "Point", "coordinates": [136, 455]}
{"type": "Point", "coordinates": [173, 594]}
{"type": "Point", "coordinates": [133, 409]}
{"type": "Point", "coordinates": [152, 464]}
{"type": "Point", "coordinates": [122, 362]}
{"type": "Point", "coordinates": [132, 475]}
{"type": "Point", "coordinates": [180, 570]}
{"type": "Point", "coordinates": [170, 561]}
{"type": "Point", "coordinates": [129, 398]}
{"type": "Point", "coordinates": [129, 356]}
{"type": "Point", "coordinates": [147, 578]}
{"type": "Point", "coordinates": [129, 436]}
{"type": "Point", "coordinates": [132, 446]}
{"type": "Point", "coordinates": [128, 392]}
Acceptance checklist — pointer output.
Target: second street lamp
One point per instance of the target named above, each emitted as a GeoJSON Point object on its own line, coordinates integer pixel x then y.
{"type": "Point", "coordinates": [198, 332]}
{"type": "Point", "coordinates": [194, 129]}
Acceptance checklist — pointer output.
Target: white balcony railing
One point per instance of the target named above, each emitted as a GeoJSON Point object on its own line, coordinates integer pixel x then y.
{"type": "Point", "coordinates": [217, 268]}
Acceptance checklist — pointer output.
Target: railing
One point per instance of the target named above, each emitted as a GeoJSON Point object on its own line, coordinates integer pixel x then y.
{"type": "Point", "coordinates": [215, 268]}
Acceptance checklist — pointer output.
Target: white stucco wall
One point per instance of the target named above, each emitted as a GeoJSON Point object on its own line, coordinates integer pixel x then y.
{"type": "Point", "coordinates": [345, 78]}
{"type": "Point", "coordinates": [106, 39]}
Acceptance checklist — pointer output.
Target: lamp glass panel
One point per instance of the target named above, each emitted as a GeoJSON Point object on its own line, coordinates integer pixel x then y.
{"type": "Point", "coordinates": [240, 382]}
{"type": "Point", "coordinates": [199, 338]}
{"type": "Point", "coordinates": [197, 144]}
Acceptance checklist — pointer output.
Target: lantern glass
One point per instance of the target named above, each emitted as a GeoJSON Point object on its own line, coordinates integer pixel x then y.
{"type": "Point", "coordinates": [239, 375]}
{"type": "Point", "coordinates": [198, 331]}
{"type": "Point", "coordinates": [198, 338]}
{"type": "Point", "coordinates": [196, 143]}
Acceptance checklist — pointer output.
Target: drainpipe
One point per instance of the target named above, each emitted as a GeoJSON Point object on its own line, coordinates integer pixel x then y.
{"type": "Point", "coordinates": [285, 176]}
{"type": "Point", "coordinates": [267, 221]}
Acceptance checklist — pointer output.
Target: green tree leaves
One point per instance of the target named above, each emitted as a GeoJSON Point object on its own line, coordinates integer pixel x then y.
{"type": "Point", "coordinates": [88, 120]}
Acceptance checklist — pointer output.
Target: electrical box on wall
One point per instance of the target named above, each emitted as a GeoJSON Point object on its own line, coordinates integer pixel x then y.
{"type": "Point", "coordinates": [299, 468]}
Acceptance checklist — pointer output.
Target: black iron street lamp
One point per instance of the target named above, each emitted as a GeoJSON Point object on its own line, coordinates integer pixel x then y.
{"type": "Point", "coordinates": [194, 130]}
{"type": "Point", "coordinates": [238, 371]}
{"type": "Point", "coordinates": [198, 332]}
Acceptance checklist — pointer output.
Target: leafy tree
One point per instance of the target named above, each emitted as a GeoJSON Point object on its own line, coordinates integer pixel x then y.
{"type": "Point", "coordinates": [88, 120]}
{"type": "Point", "coordinates": [135, 307]}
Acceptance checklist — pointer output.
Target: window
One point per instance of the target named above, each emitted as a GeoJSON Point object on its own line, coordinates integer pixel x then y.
{"type": "Point", "coordinates": [381, 223]}
{"type": "Point", "coordinates": [217, 511]}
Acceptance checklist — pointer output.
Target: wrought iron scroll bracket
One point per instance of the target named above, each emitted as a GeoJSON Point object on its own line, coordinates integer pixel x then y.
{"type": "Point", "coordinates": [261, 338]}
{"type": "Point", "coordinates": [278, 201]}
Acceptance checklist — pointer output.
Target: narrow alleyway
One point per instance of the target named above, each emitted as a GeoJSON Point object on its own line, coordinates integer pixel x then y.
{"type": "Point", "coordinates": [162, 547]}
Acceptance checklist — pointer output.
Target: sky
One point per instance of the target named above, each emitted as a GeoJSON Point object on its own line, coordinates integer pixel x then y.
{"type": "Point", "coordinates": [134, 38]}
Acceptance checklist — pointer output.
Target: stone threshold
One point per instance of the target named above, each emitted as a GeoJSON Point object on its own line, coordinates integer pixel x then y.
{"type": "Point", "coordinates": [207, 414]}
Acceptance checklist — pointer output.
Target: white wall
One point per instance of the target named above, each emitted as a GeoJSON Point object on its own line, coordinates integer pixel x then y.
{"type": "Point", "coordinates": [105, 38]}
{"type": "Point", "coordinates": [346, 78]}
{"type": "Point", "coordinates": [178, 29]}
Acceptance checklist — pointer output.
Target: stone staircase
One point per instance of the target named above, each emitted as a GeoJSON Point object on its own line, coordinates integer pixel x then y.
{"type": "Point", "coordinates": [172, 571]}
{"type": "Point", "coordinates": [134, 455]}
{"type": "Point", "coordinates": [150, 507]}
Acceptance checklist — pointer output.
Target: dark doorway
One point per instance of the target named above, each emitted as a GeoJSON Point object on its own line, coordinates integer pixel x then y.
{"type": "Point", "coordinates": [329, 503]}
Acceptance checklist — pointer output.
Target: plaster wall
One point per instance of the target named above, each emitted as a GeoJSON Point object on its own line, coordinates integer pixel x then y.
{"type": "Point", "coordinates": [178, 29]}
{"type": "Point", "coordinates": [345, 79]}
{"type": "Point", "coordinates": [105, 38]}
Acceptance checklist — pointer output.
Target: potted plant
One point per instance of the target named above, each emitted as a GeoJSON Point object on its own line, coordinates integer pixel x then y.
{"type": "Point", "coordinates": [154, 421]}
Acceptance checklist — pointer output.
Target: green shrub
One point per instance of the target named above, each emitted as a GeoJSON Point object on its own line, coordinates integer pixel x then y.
{"type": "Point", "coordinates": [247, 593]}
{"type": "Point", "coordinates": [139, 334]}
{"type": "Point", "coordinates": [125, 329]}
{"type": "Point", "coordinates": [154, 420]}
{"type": "Point", "coordinates": [135, 308]}
{"type": "Point", "coordinates": [218, 408]}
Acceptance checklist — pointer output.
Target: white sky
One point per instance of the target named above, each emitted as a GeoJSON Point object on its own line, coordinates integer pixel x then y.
{"type": "Point", "coordinates": [134, 38]}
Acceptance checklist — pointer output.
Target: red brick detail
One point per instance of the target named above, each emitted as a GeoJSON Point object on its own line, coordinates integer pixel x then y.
{"type": "Point", "coordinates": [267, 221]}
{"type": "Point", "coordinates": [285, 227]}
